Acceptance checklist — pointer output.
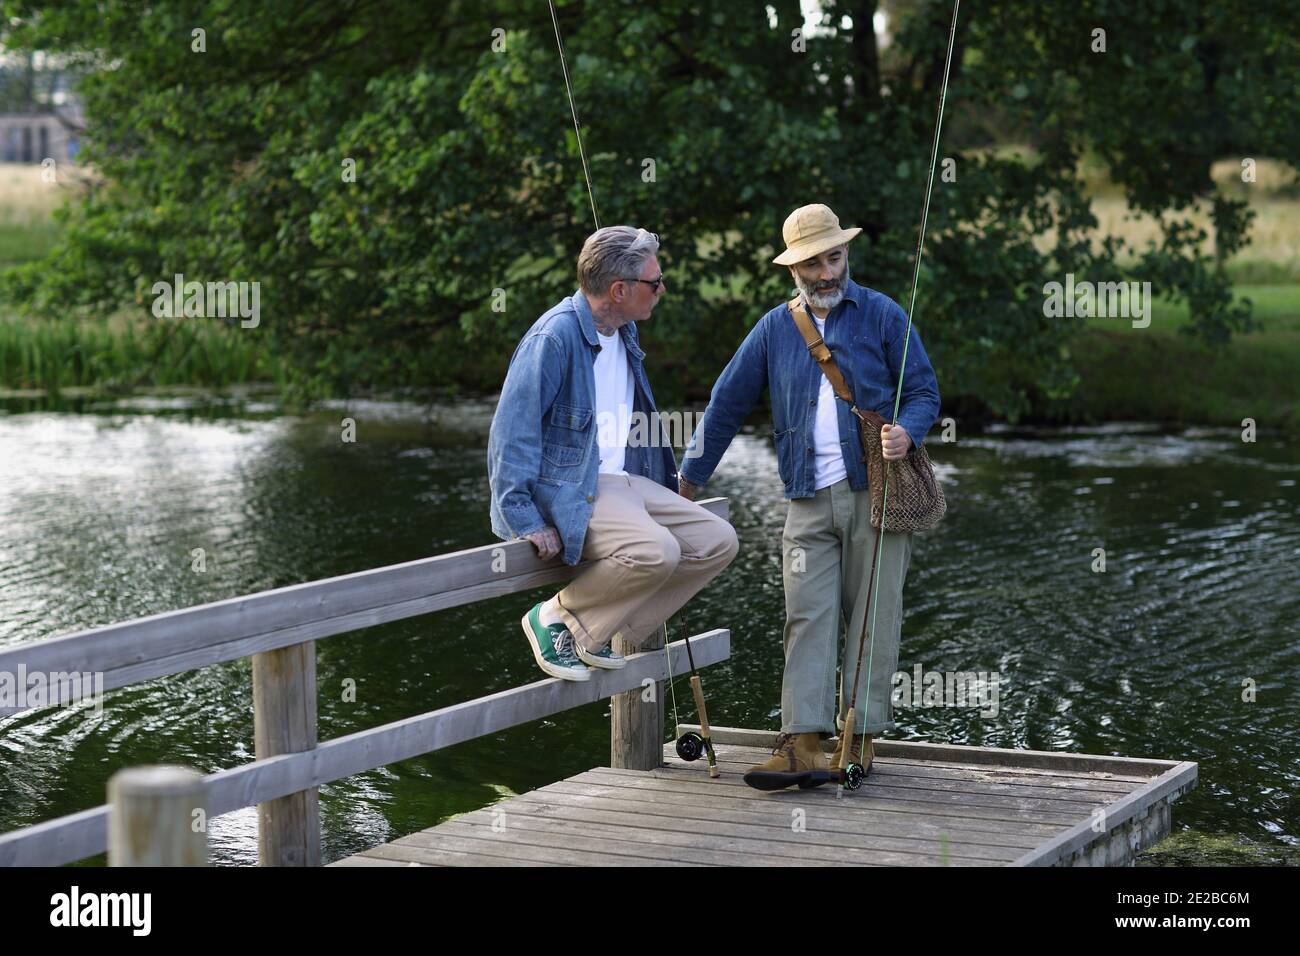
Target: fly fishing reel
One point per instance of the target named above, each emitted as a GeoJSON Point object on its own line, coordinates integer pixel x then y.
{"type": "Point", "coordinates": [690, 746]}
{"type": "Point", "coordinates": [853, 776]}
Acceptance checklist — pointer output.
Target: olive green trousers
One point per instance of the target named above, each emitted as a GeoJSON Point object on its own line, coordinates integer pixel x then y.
{"type": "Point", "coordinates": [827, 545]}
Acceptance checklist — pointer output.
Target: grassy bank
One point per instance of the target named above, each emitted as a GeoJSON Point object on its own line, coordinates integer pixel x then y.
{"type": "Point", "coordinates": [1156, 374]}
{"type": "Point", "coordinates": [27, 204]}
{"type": "Point", "coordinates": [113, 353]}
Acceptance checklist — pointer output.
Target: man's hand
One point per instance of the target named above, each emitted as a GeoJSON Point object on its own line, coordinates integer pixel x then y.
{"type": "Point", "coordinates": [546, 541]}
{"type": "Point", "coordinates": [686, 489]}
{"type": "Point", "coordinates": [894, 441]}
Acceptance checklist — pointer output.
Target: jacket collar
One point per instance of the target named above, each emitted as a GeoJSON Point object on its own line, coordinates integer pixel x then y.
{"type": "Point", "coordinates": [586, 321]}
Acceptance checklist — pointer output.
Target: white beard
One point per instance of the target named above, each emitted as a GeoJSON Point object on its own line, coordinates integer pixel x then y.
{"type": "Point", "coordinates": [824, 300]}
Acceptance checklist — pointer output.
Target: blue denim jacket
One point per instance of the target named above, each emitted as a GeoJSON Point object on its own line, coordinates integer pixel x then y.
{"type": "Point", "coordinates": [865, 333]}
{"type": "Point", "coordinates": [543, 458]}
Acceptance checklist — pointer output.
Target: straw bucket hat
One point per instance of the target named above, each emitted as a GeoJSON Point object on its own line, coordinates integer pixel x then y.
{"type": "Point", "coordinates": [809, 231]}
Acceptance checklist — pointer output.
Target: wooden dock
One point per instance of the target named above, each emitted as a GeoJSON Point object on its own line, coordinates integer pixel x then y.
{"type": "Point", "coordinates": [921, 805]}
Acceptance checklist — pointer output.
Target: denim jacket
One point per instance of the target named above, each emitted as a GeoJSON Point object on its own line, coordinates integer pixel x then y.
{"type": "Point", "coordinates": [543, 458]}
{"type": "Point", "coordinates": [865, 333]}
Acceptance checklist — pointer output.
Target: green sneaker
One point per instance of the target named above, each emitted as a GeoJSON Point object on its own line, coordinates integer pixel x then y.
{"type": "Point", "coordinates": [605, 657]}
{"type": "Point", "coordinates": [553, 647]}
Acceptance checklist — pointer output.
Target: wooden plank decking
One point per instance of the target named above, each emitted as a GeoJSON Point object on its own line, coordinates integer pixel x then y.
{"type": "Point", "coordinates": [921, 805]}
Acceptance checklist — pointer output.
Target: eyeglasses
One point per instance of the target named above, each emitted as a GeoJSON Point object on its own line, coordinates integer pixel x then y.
{"type": "Point", "coordinates": [654, 284]}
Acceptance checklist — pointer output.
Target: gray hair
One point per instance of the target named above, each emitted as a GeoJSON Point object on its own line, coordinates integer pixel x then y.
{"type": "Point", "coordinates": [615, 252]}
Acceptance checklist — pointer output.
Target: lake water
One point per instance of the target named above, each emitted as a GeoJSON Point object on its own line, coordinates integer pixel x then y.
{"type": "Point", "coordinates": [102, 506]}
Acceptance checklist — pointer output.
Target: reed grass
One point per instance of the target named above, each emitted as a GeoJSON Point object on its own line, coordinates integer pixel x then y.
{"type": "Point", "coordinates": [62, 353]}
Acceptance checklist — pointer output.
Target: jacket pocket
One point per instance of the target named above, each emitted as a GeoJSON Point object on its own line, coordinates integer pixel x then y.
{"type": "Point", "coordinates": [565, 441]}
{"type": "Point", "coordinates": [570, 416]}
{"type": "Point", "coordinates": [563, 456]}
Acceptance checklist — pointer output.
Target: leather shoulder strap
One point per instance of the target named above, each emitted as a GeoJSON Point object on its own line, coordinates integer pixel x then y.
{"type": "Point", "coordinates": [817, 348]}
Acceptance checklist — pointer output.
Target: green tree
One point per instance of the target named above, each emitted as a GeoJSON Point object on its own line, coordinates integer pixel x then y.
{"type": "Point", "coordinates": [230, 164]}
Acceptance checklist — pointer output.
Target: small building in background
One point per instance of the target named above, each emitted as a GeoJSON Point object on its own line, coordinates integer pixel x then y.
{"type": "Point", "coordinates": [34, 137]}
{"type": "Point", "coordinates": [33, 129]}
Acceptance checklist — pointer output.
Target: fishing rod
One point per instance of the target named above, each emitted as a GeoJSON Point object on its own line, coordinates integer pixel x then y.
{"type": "Point", "coordinates": [852, 774]}
{"type": "Point", "coordinates": [691, 744]}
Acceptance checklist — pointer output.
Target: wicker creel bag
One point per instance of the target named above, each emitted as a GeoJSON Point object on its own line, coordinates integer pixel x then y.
{"type": "Point", "coordinates": [916, 501]}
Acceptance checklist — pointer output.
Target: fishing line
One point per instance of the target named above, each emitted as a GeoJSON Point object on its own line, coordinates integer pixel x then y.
{"type": "Point", "coordinates": [873, 599]}
{"type": "Point", "coordinates": [677, 724]}
{"type": "Point", "coordinates": [577, 126]}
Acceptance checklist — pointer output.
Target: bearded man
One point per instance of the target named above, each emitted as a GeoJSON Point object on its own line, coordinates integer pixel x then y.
{"type": "Point", "coordinates": [828, 540]}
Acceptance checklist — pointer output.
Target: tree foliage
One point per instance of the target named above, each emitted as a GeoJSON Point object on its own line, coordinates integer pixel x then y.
{"type": "Point", "coordinates": [229, 164]}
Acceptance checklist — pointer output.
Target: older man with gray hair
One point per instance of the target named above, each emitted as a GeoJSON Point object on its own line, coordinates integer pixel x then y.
{"type": "Point", "coordinates": [579, 465]}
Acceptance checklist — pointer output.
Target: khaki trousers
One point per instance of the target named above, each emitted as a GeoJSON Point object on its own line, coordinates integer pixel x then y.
{"type": "Point", "coordinates": [828, 544]}
{"type": "Point", "coordinates": [650, 550]}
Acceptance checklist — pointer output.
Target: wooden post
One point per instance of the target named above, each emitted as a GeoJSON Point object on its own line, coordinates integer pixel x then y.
{"type": "Point", "coordinates": [284, 721]}
{"type": "Point", "coordinates": [636, 726]}
{"type": "Point", "coordinates": [157, 816]}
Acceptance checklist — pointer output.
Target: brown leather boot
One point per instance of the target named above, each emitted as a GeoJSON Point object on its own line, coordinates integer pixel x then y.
{"type": "Point", "coordinates": [797, 761]}
{"type": "Point", "coordinates": [857, 753]}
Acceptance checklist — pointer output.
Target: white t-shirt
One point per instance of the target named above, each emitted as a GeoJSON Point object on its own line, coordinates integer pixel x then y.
{"type": "Point", "coordinates": [613, 402]}
{"type": "Point", "coordinates": [826, 430]}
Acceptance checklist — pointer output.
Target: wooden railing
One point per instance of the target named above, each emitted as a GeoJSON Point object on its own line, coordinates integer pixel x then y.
{"type": "Point", "coordinates": [278, 629]}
